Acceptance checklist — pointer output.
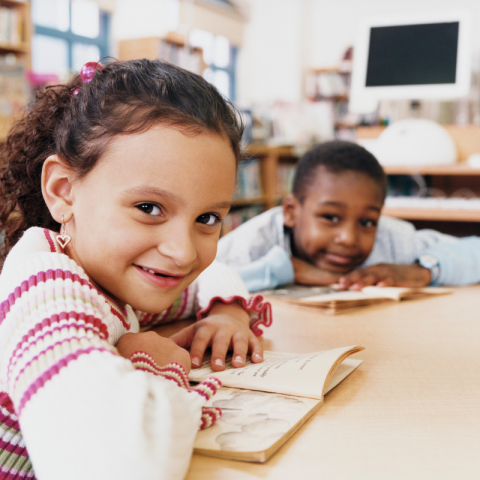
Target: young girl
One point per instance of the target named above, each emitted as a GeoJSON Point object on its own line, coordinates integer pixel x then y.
{"type": "Point", "coordinates": [113, 189]}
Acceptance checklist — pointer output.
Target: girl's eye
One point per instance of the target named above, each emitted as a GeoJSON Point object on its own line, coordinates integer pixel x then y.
{"type": "Point", "coordinates": [331, 218]}
{"type": "Point", "coordinates": [149, 209]}
{"type": "Point", "coordinates": [367, 223]}
{"type": "Point", "coordinates": [209, 219]}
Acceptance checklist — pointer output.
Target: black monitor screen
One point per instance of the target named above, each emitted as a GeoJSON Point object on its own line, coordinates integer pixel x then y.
{"type": "Point", "coordinates": [412, 54]}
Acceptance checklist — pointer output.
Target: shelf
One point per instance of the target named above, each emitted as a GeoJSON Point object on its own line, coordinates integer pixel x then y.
{"type": "Point", "coordinates": [20, 49]}
{"type": "Point", "coordinates": [457, 170]}
{"type": "Point", "coordinates": [432, 214]}
{"type": "Point", "coordinates": [329, 70]}
{"type": "Point", "coordinates": [266, 150]}
{"type": "Point", "coordinates": [13, 3]}
{"type": "Point", "coordinates": [243, 202]}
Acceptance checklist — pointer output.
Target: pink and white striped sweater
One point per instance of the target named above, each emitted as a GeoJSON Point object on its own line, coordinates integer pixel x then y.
{"type": "Point", "coordinates": [81, 410]}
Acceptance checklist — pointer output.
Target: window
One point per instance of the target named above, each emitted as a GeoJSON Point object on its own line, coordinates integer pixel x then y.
{"type": "Point", "coordinates": [220, 57]}
{"type": "Point", "coordinates": [68, 34]}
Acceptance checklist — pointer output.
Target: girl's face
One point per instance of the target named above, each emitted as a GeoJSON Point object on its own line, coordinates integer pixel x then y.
{"type": "Point", "coordinates": [146, 219]}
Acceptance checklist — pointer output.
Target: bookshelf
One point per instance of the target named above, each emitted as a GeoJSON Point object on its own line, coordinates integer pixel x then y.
{"type": "Point", "coordinates": [15, 37]}
{"type": "Point", "coordinates": [269, 161]}
{"type": "Point", "coordinates": [270, 158]}
{"type": "Point", "coordinates": [15, 29]}
{"type": "Point", "coordinates": [333, 85]}
{"type": "Point", "coordinates": [172, 48]}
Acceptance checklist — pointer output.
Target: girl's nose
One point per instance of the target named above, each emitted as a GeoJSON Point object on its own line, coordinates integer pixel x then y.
{"type": "Point", "coordinates": [179, 245]}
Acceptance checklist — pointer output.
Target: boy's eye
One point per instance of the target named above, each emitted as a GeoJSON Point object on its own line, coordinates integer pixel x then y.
{"type": "Point", "coordinates": [149, 209]}
{"type": "Point", "coordinates": [209, 219]}
{"type": "Point", "coordinates": [367, 223]}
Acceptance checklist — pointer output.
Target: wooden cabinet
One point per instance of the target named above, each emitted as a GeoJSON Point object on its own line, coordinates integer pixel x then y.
{"type": "Point", "coordinates": [173, 48]}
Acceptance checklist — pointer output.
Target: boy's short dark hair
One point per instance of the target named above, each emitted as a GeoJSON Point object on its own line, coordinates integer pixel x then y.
{"type": "Point", "coordinates": [336, 156]}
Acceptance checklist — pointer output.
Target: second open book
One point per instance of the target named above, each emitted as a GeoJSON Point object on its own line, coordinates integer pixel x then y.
{"type": "Point", "coordinates": [268, 402]}
{"type": "Point", "coordinates": [331, 300]}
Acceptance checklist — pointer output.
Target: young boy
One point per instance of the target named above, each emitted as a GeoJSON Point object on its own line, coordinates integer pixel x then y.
{"type": "Point", "coordinates": [329, 230]}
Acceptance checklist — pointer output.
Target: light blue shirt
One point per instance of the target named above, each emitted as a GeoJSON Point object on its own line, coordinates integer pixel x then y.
{"type": "Point", "coordinates": [259, 250]}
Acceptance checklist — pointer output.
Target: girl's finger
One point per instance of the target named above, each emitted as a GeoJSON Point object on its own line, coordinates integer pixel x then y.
{"type": "Point", "coordinates": [220, 345]}
{"type": "Point", "coordinates": [200, 343]}
{"type": "Point", "coordinates": [256, 350]}
{"type": "Point", "coordinates": [240, 349]}
{"type": "Point", "coordinates": [184, 337]}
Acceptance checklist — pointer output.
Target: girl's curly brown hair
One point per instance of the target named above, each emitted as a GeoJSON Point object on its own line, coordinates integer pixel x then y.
{"type": "Point", "coordinates": [126, 97]}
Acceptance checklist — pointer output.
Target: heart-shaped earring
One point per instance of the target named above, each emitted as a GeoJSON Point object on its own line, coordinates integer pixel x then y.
{"type": "Point", "coordinates": [63, 238]}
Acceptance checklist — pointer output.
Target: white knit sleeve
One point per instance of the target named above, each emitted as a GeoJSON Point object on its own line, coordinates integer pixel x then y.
{"type": "Point", "coordinates": [219, 283]}
{"type": "Point", "coordinates": [218, 280]}
{"type": "Point", "coordinates": [84, 411]}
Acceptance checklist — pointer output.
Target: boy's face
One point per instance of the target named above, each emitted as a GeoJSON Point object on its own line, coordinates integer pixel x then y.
{"type": "Point", "coordinates": [335, 226]}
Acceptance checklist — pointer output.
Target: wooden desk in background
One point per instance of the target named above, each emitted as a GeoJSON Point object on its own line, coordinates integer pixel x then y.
{"type": "Point", "coordinates": [411, 410]}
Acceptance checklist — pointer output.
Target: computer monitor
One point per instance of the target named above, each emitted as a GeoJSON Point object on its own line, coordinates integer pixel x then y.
{"type": "Point", "coordinates": [416, 57]}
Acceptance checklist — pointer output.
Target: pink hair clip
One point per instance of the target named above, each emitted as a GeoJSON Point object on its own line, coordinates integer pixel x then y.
{"type": "Point", "coordinates": [87, 73]}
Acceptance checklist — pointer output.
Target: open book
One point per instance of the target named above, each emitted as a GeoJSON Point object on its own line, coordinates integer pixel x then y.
{"type": "Point", "coordinates": [269, 401]}
{"type": "Point", "coordinates": [331, 300]}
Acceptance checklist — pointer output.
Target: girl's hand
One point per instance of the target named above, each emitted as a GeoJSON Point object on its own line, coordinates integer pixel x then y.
{"type": "Point", "coordinates": [226, 327]}
{"type": "Point", "coordinates": [161, 349]}
{"type": "Point", "coordinates": [307, 274]}
{"type": "Point", "coordinates": [386, 275]}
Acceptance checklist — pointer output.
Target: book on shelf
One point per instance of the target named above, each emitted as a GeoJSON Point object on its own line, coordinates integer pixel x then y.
{"type": "Point", "coordinates": [285, 176]}
{"type": "Point", "coordinates": [14, 94]}
{"type": "Point", "coordinates": [238, 216]}
{"type": "Point", "coordinates": [264, 404]}
{"type": "Point", "coordinates": [184, 56]}
{"type": "Point", "coordinates": [14, 89]}
{"type": "Point", "coordinates": [327, 84]}
{"type": "Point", "coordinates": [330, 300]}
{"type": "Point", "coordinates": [247, 183]}
{"type": "Point", "coordinates": [10, 26]}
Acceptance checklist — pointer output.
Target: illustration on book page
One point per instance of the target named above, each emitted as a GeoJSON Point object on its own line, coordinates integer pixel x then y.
{"type": "Point", "coordinates": [252, 421]}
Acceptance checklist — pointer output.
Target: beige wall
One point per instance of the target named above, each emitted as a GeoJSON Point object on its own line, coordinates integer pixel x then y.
{"type": "Point", "coordinates": [106, 5]}
{"type": "Point", "coordinates": [218, 21]}
{"type": "Point", "coordinates": [154, 18]}
{"type": "Point", "coordinates": [286, 37]}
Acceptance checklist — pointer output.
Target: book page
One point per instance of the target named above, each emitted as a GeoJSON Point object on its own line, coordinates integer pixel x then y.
{"type": "Point", "coordinates": [330, 294]}
{"type": "Point", "coordinates": [298, 292]}
{"type": "Point", "coordinates": [302, 375]}
{"type": "Point", "coordinates": [251, 421]}
{"type": "Point", "coordinates": [255, 421]}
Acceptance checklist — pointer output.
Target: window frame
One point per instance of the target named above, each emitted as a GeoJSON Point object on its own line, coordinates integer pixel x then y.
{"type": "Point", "coordinates": [102, 41]}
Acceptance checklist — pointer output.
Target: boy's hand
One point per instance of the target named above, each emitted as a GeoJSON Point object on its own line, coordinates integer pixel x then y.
{"type": "Point", "coordinates": [307, 274]}
{"type": "Point", "coordinates": [226, 327]}
{"type": "Point", "coordinates": [161, 349]}
{"type": "Point", "coordinates": [386, 275]}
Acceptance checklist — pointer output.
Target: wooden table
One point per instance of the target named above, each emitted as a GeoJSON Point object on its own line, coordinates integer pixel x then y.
{"type": "Point", "coordinates": [411, 410]}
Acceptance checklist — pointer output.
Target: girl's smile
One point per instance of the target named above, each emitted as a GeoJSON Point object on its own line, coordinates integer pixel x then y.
{"type": "Point", "coordinates": [159, 198]}
{"type": "Point", "coordinates": [161, 279]}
